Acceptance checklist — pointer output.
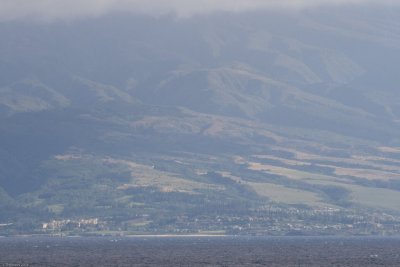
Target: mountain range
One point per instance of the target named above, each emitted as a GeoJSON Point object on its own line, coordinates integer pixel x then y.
{"type": "Point", "coordinates": [217, 123]}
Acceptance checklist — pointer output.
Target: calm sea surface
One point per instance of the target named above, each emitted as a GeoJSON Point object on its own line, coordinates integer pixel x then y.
{"type": "Point", "coordinates": [199, 251]}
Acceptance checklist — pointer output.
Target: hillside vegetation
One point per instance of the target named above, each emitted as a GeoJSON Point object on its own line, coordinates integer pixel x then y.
{"type": "Point", "coordinates": [254, 123]}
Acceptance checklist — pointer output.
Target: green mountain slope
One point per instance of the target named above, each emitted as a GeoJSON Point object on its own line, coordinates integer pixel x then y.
{"type": "Point", "coordinates": [261, 123]}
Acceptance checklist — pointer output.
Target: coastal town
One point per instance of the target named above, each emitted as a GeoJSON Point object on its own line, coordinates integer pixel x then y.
{"type": "Point", "coordinates": [273, 221]}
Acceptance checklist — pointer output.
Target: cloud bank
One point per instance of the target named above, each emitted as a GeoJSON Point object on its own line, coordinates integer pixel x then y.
{"type": "Point", "coordinates": [71, 9]}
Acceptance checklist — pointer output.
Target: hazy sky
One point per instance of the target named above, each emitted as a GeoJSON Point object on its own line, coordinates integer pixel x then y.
{"type": "Point", "coordinates": [70, 9]}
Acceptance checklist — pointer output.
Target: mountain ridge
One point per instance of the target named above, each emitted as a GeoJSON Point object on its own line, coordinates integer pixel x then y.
{"type": "Point", "coordinates": [211, 123]}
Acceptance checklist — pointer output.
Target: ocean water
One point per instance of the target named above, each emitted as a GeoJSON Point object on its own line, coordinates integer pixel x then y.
{"type": "Point", "coordinates": [199, 251]}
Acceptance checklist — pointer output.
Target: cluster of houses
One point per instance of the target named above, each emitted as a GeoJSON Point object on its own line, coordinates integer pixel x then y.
{"type": "Point", "coordinates": [70, 224]}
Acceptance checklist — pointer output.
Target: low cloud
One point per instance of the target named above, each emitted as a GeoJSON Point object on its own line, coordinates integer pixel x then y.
{"type": "Point", "coordinates": [71, 9]}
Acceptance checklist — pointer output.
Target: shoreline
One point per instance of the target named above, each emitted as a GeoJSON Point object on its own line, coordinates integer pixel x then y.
{"type": "Point", "coordinates": [116, 237]}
